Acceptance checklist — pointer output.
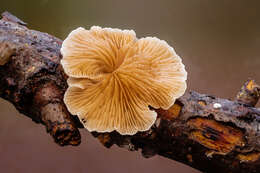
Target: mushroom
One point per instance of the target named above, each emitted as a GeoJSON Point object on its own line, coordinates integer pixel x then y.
{"type": "Point", "coordinates": [114, 78]}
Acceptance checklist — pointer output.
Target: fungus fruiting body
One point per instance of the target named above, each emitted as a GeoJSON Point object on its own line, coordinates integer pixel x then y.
{"type": "Point", "coordinates": [114, 78]}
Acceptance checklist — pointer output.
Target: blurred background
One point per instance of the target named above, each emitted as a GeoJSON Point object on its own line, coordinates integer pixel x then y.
{"type": "Point", "coordinates": [219, 42]}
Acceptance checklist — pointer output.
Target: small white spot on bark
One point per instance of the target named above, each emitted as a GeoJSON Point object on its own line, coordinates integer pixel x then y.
{"type": "Point", "coordinates": [217, 105]}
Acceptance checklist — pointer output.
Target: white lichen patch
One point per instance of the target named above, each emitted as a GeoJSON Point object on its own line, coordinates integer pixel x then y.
{"type": "Point", "coordinates": [217, 105]}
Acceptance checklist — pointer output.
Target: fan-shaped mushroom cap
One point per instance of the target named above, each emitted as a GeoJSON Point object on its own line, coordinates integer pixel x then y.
{"type": "Point", "coordinates": [114, 77]}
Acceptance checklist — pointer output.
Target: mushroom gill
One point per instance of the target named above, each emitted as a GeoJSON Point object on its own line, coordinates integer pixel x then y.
{"type": "Point", "coordinates": [114, 77]}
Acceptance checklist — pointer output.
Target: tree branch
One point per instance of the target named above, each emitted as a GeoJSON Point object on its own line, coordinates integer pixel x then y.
{"type": "Point", "coordinates": [208, 133]}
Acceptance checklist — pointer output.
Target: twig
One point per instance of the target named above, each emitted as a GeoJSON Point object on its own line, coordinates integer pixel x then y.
{"type": "Point", "coordinates": [208, 133]}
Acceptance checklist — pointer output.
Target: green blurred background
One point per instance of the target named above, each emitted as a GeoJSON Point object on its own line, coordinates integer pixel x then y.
{"type": "Point", "coordinates": [219, 42]}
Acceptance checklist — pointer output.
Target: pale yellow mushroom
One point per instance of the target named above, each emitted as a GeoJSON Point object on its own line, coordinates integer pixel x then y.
{"type": "Point", "coordinates": [114, 78]}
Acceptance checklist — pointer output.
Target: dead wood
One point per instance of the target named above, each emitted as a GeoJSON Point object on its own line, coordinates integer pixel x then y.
{"type": "Point", "coordinates": [208, 133]}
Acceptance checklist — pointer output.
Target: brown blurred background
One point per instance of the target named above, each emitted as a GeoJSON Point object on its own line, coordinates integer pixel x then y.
{"type": "Point", "coordinates": [219, 42]}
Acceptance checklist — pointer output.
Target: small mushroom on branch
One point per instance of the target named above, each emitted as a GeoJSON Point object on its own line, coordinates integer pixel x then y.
{"type": "Point", "coordinates": [114, 78]}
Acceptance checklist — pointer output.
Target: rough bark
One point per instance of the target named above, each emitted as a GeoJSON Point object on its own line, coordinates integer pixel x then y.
{"type": "Point", "coordinates": [208, 133]}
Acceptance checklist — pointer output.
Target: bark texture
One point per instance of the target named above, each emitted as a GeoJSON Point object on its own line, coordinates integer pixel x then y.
{"type": "Point", "coordinates": [208, 133]}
